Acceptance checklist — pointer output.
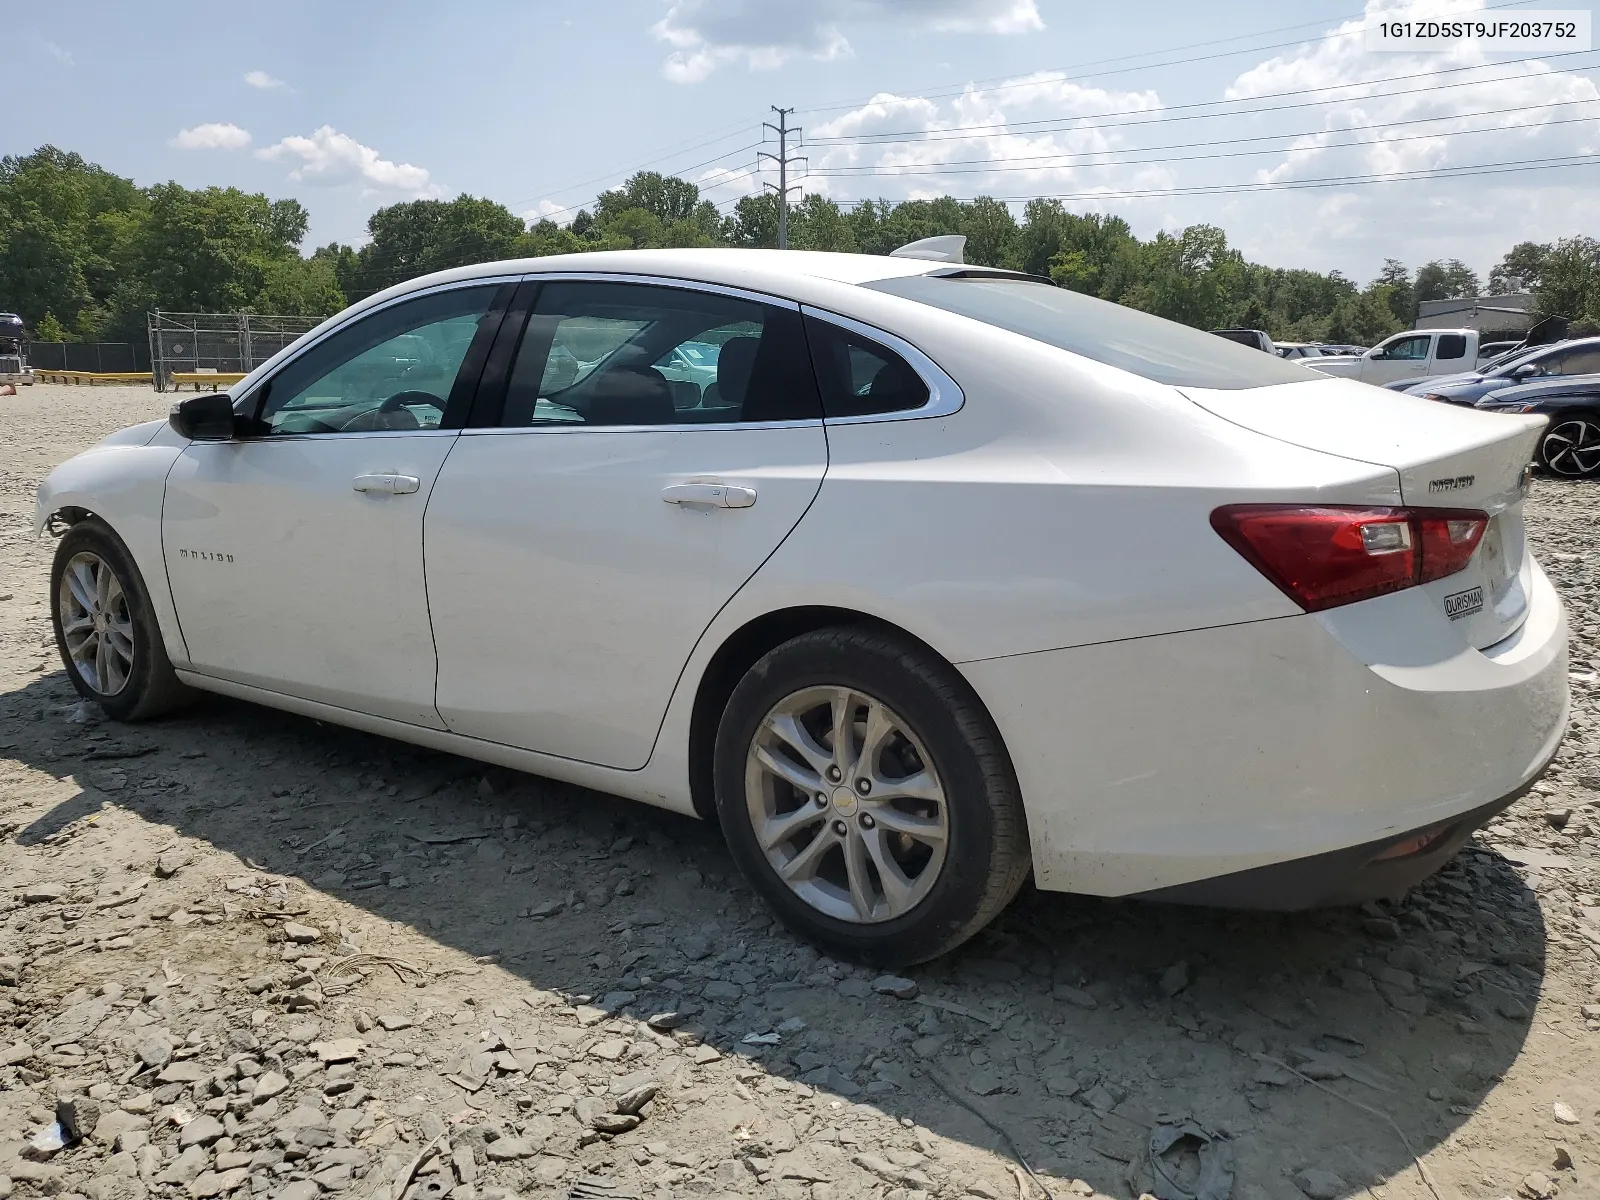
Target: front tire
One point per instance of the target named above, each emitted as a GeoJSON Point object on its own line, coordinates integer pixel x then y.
{"type": "Point", "coordinates": [105, 631]}
{"type": "Point", "coordinates": [865, 793]}
{"type": "Point", "coordinates": [1570, 446]}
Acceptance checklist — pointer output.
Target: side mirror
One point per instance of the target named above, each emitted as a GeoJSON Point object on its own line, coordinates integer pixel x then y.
{"type": "Point", "coordinates": [1378, 353]}
{"type": "Point", "coordinates": [204, 418]}
{"type": "Point", "coordinates": [1525, 370]}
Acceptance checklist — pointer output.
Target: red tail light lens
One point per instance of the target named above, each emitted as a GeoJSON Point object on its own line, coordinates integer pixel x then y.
{"type": "Point", "coordinates": [1326, 555]}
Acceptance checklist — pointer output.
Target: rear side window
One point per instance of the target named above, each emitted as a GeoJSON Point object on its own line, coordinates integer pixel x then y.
{"type": "Point", "coordinates": [608, 354]}
{"type": "Point", "coordinates": [1144, 345]}
{"type": "Point", "coordinates": [1451, 345]}
{"type": "Point", "coordinates": [859, 377]}
{"type": "Point", "coordinates": [1576, 362]}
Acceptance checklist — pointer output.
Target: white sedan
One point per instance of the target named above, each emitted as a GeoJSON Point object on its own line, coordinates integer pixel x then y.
{"type": "Point", "coordinates": [942, 576]}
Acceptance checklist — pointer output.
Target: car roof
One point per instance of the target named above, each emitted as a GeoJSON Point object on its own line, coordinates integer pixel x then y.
{"type": "Point", "coordinates": [775, 271]}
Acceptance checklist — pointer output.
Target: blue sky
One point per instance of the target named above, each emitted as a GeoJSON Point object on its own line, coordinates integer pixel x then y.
{"type": "Point", "coordinates": [1166, 112]}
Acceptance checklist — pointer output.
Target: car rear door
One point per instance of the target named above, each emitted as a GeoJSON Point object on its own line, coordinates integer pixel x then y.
{"type": "Point", "coordinates": [605, 503]}
{"type": "Point", "coordinates": [295, 552]}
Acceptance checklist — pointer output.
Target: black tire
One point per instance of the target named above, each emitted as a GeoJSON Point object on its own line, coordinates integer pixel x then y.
{"type": "Point", "coordinates": [986, 856]}
{"type": "Point", "coordinates": [148, 687]}
{"type": "Point", "coordinates": [1569, 448]}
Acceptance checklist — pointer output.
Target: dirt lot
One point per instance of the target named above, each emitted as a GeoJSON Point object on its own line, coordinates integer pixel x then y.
{"type": "Point", "coordinates": [258, 955]}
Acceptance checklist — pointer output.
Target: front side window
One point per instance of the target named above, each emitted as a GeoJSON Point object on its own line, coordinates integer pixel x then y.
{"type": "Point", "coordinates": [1411, 348]}
{"type": "Point", "coordinates": [1137, 342]}
{"type": "Point", "coordinates": [1583, 361]}
{"type": "Point", "coordinates": [394, 369]}
{"type": "Point", "coordinates": [608, 354]}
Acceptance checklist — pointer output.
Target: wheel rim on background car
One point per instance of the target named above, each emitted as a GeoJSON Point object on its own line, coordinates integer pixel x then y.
{"type": "Point", "coordinates": [1572, 447]}
{"type": "Point", "coordinates": [846, 804]}
{"type": "Point", "coordinates": [96, 624]}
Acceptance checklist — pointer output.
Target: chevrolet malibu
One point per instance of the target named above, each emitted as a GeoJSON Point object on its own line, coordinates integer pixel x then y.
{"type": "Point", "coordinates": [928, 577]}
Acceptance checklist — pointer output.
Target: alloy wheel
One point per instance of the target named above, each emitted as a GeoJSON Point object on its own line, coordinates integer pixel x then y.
{"type": "Point", "coordinates": [1572, 447]}
{"type": "Point", "coordinates": [96, 624]}
{"type": "Point", "coordinates": [846, 804]}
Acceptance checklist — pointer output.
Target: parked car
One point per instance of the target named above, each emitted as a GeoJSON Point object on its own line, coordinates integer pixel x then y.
{"type": "Point", "coordinates": [957, 577]}
{"type": "Point", "coordinates": [1294, 350]}
{"type": "Point", "coordinates": [1415, 353]}
{"type": "Point", "coordinates": [1570, 444]}
{"type": "Point", "coordinates": [1578, 357]}
{"type": "Point", "coordinates": [1256, 339]}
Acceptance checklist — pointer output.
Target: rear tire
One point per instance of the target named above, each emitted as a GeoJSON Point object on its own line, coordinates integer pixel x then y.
{"type": "Point", "coordinates": [901, 845]}
{"type": "Point", "coordinates": [1570, 446]}
{"type": "Point", "coordinates": [105, 630]}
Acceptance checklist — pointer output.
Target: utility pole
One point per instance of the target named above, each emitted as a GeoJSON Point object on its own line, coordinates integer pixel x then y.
{"type": "Point", "coordinates": [783, 158]}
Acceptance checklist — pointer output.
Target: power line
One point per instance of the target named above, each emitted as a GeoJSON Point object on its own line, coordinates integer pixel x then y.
{"type": "Point", "coordinates": [917, 169]}
{"type": "Point", "coordinates": [1005, 82]}
{"type": "Point", "coordinates": [1150, 116]}
{"type": "Point", "coordinates": [1464, 171]}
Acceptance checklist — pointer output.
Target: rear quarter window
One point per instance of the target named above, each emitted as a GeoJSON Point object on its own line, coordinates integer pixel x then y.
{"type": "Point", "coordinates": [1451, 345]}
{"type": "Point", "coordinates": [1137, 342]}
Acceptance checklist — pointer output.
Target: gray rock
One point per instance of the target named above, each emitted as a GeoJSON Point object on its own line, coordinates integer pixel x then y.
{"type": "Point", "coordinates": [43, 893]}
{"type": "Point", "coordinates": [831, 1079]}
{"type": "Point", "coordinates": [218, 1183]}
{"type": "Point", "coordinates": [1073, 995]}
{"type": "Point", "coordinates": [154, 1053]}
{"type": "Point", "coordinates": [394, 1021]}
{"type": "Point", "coordinates": [1174, 979]}
{"type": "Point", "coordinates": [696, 947]}
{"type": "Point", "coordinates": [171, 862]}
{"type": "Point", "coordinates": [187, 1071]}
{"type": "Point", "coordinates": [300, 1189]}
{"type": "Point", "coordinates": [201, 1131]}
{"type": "Point", "coordinates": [10, 970]}
{"type": "Point", "coordinates": [1319, 1184]}
{"type": "Point", "coordinates": [855, 989]}
{"type": "Point", "coordinates": [78, 1116]}
{"type": "Point", "coordinates": [268, 1085]}
{"type": "Point", "coordinates": [984, 1083]}
{"type": "Point", "coordinates": [720, 990]}
{"type": "Point", "coordinates": [631, 1101]}
{"type": "Point", "coordinates": [510, 1149]}
{"type": "Point", "coordinates": [117, 1123]}
{"type": "Point", "coordinates": [897, 986]}
{"type": "Point", "coordinates": [186, 1167]}
{"type": "Point", "coordinates": [303, 934]}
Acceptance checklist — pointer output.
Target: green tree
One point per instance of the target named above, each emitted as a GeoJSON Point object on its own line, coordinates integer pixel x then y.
{"type": "Point", "coordinates": [1447, 280]}
{"type": "Point", "coordinates": [1520, 270]}
{"type": "Point", "coordinates": [991, 233]}
{"type": "Point", "coordinates": [1569, 279]}
{"type": "Point", "coordinates": [1400, 294]}
{"type": "Point", "coordinates": [50, 330]}
{"type": "Point", "coordinates": [422, 236]}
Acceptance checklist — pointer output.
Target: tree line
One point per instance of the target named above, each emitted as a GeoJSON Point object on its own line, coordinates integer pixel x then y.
{"type": "Point", "coordinates": [85, 253]}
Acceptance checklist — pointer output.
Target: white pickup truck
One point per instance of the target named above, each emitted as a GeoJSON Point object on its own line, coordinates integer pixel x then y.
{"type": "Point", "coordinates": [1416, 353]}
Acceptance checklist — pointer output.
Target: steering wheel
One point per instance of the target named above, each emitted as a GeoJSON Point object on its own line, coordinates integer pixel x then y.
{"type": "Point", "coordinates": [400, 400]}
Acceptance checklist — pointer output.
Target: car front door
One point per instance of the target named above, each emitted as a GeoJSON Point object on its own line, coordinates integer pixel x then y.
{"type": "Point", "coordinates": [1401, 357]}
{"type": "Point", "coordinates": [607, 503]}
{"type": "Point", "coordinates": [295, 549]}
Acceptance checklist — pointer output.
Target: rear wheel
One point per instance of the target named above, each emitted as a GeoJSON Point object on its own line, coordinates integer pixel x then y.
{"type": "Point", "coordinates": [1570, 446]}
{"type": "Point", "coordinates": [105, 631]}
{"type": "Point", "coordinates": [864, 791]}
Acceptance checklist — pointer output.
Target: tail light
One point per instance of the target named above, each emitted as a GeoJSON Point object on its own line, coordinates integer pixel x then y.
{"type": "Point", "coordinates": [1327, 555]}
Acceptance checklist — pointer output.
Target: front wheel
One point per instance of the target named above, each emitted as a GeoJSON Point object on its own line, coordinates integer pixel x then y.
{"type": "Point", "coordinates": [105, 631]}
{"type": "Point", "coordinates": [865, 793]}
{"type": "Point", "coordinates": [1570, 446]}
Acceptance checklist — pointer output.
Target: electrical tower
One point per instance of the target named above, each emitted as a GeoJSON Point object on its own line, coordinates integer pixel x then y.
{"type": "Point", "coordinates": [783, 158]}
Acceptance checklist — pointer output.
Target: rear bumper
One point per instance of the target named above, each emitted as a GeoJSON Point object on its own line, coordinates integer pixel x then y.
{"type": "Point", "coordinates": [1268, 764]}
{"type": "Point", "coordinates": [1347, 876]}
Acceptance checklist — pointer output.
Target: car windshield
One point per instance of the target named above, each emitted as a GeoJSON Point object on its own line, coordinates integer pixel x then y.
{"type": "Point", "coordinates": [1144, 345]}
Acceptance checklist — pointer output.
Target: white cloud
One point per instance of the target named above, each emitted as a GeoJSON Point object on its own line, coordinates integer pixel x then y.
{"type": "Point", "coordinates": [707, 34]}
{"type": "Point", "coordinates": [561, 214]}
{"type": "Point", "coordinates": [331, 157]}
{"type": "Point", "coordinates": [60, 54]}
{"type": "Point", "coordinates": [955, 145]}
{"type": "Point", "coordinates": [260, 79]}
{"type": "Point", "coordinates": [213, 135]}
{"type": "Point", "coordinates": [1419, 113]}
{"type": "Point", "coordinates": [1045, 135]}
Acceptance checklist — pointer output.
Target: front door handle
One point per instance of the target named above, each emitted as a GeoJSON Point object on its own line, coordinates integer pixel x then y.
{"type": "Point", "coordinates": [715, 495]}
{"type": "Point", "coordinates": [393, 485]}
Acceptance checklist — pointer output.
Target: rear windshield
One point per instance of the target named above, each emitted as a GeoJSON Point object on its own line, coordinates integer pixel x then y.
{"type": "Point", "coordinates": [1151, 347]}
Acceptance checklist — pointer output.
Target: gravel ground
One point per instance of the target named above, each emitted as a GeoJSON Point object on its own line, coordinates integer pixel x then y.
{"type": "Point", "coordinates": [244, 952]}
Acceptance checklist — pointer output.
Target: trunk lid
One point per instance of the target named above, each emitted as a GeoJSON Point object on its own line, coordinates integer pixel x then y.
{"type": "Point", "coordinates": [1443, 456]}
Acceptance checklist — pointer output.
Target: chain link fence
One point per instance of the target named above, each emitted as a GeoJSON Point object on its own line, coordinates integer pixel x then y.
{"type": "Point", "coordinates": [86, 356]}
{"type": "Point", "coordinates": [222, 342]}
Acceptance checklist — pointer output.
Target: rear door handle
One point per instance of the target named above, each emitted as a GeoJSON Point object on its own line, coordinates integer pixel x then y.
{"type": "Point", "coordinates": [714, 495]}
{"type": "Point", "coordinates": [393, 485]}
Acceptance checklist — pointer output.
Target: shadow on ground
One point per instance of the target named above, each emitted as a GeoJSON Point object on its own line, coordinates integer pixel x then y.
{"type": "Point", "coordinates": [1094, 1017]}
